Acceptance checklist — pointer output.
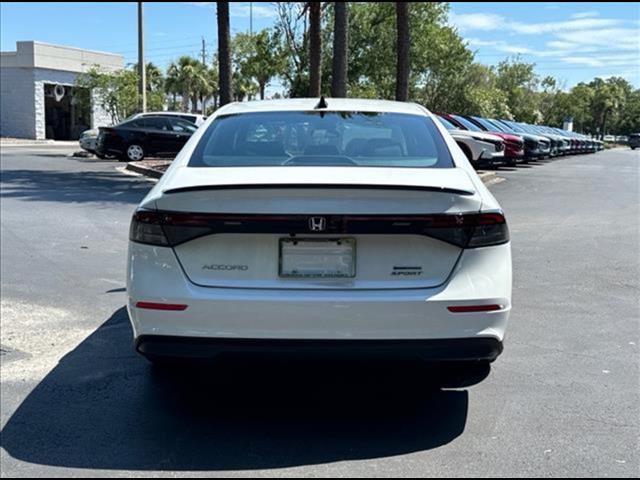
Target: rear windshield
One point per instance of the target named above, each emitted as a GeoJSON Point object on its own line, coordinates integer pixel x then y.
{"type": "Point", "coordinates": [446, 123]}
{"type": "Point", "coordinates": [322, 139]}
{"type": "Point", "coordinates": [467, 123]}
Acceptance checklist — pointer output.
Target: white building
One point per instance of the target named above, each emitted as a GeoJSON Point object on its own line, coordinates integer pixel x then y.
{"type": "Point", "coordinates": [37, 98]}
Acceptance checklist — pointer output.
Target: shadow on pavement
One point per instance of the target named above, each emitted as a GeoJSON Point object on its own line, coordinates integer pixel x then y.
{"type": "Point", "coordinates": [103, 407]}
{"type": "Point", "coordinates": [72, 186]}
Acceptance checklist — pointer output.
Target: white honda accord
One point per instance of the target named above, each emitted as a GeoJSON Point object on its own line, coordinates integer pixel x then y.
{"type": "Point", "coordinates": [320, 226]}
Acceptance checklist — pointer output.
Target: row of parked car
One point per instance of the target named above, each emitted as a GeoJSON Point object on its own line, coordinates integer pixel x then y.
{"type": "Point", "coordinates": [485, 141]}
{"type": "Point", "coordinates": [488, 141]}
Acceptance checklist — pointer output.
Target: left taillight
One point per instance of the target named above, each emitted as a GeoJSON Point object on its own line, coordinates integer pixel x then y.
{"type": "Point", "coordinates": [146, 227]}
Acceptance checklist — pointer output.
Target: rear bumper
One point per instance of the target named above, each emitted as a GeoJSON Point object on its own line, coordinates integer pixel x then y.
{"type": "Point", "coordinates": [441, 350]}
{"type": "Point", "coordinates": [482, 276]}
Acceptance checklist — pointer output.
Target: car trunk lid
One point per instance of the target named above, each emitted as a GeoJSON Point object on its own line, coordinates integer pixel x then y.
{"type": "Point", "coordinates": [257, 225]}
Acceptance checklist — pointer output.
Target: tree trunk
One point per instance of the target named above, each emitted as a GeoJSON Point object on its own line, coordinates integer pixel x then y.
{"type": "Point", "coordinates": [315, 50]}
{"type": "Point", "coordinates": [185, 101]}
{"type": "Point", "coordinates": [402, 48]}
{"type": "Point", "coordinates": [603, 124]}
{"type": "Point", "coordinates": [224, 53]}
{"type": "Point", "coordinates": [261, 86]}
{"type": "Point", "coordinates": [340, 50]}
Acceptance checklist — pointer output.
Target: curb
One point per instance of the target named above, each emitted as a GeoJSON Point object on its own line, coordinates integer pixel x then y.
{"type": "Point", "coordinates": [487, 177]}
{"type": "Point", "coordinates": [142, 170]}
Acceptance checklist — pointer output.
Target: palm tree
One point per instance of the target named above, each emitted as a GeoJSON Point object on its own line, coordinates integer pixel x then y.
{"type": "Point", "coordinates": [340, 49]}
{"type": "Point", "coordinates": [315, 49]}
{"type": "Point", "coordinates": [154, 77]}
{"type": "Point", "coordinates": [172, 84]}
{"type": "Point", "coordinates": [402, 48]}
{"type": "Point", "coordinates": [224, 53]}
{"type": "Point", "coordinates": [188, 78]}
{"type": "Point", "coordinates": [213, 89]}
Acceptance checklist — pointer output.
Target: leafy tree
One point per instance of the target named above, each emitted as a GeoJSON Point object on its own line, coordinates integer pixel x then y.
{"type": "Point", "coordinates": [478, 94]}
{"type": "Point", "coordinates": [629, 116]}
{"type": "Point", "coordinates": [517, 79]}
{"type": "Point", "coordinates": [117, 92]}
{"type": "Point", "coordinates": [243, 87]}
{"type": "Point", "coordinates": [259, 57]}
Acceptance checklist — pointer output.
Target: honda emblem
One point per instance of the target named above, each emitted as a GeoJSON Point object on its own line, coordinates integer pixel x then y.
{"type": "Point", "coordinates": [317, 224]}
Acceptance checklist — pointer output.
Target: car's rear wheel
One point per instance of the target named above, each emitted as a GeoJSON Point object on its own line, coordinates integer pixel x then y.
{"type": "Point", "coordinates": [133, 153]}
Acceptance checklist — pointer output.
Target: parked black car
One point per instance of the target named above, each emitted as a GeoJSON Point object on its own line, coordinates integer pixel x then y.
{"type": "Point", "coordinates": [634, 140]}
{"type": "Point", "coordinates": [135, 139]}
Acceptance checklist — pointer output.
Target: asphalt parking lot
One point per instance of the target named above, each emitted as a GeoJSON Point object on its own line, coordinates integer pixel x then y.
{"type": "Point", "coordinates": [562, 400]}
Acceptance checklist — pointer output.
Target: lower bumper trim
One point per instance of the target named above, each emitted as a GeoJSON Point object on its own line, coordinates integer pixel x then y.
{"type": "Point", "coordinates": [455, 349]}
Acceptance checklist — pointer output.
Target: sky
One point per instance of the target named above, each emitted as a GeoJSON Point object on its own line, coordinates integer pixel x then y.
{"type": "Point", "coordinates": [573, 42]}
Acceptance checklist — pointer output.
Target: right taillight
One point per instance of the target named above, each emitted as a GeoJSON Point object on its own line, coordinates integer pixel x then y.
{"type": "Point", "coordinates": [490, 229]}
{"type": "Point", "coordinates": [469, 230]}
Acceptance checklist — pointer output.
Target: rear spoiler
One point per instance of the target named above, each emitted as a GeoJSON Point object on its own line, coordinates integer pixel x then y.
{"type": "Point", "coordinates": [339, 186]}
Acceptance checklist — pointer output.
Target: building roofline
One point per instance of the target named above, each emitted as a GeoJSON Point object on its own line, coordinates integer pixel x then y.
{"type": "Point", "coordinates": [78, 49]}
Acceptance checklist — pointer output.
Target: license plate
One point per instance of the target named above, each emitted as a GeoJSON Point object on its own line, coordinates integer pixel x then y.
{"type": "Point", "coordinates": [317, 258]}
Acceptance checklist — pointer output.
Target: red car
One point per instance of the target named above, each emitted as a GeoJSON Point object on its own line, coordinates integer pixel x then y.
{"type": "Point", "coordinates": [514, 145]}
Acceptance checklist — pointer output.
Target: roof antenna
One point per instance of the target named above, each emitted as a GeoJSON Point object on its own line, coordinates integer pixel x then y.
{"type": "Point", "coordinates": [321, 104]}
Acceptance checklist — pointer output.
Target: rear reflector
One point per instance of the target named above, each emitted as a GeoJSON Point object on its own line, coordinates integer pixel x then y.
{"type": "Point", "coordinates": [469, 230]}
{"type": "Point", "coordinates": [474, 308]}
{"type": "Point", "coordinates": [175, 307]}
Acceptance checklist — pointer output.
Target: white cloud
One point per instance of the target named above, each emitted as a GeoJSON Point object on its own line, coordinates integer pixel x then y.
{"type": "Point", "coordinates": [489, 22]}
{"type": "Point", "coordinates": [589, 14]}
{"type": "Point", "coordinates": [611, 38]}
{"type": "Point", "coordinates": [587, 61]}
{"type": "Point", "coordinates": [481, 43]}
{"type": "Point", "coordinates": [259, 11]}
{"type": "Point", "coordinates": [476, 21]}
{"type": "Point", "coordinates": [500, 46]}
{"type": "Point", "coordinates": [201, 4]}
{"type": "Point", "coordinates": [584, 40]}
{"type": "Point", "coordinates": [241, 10]}
{"type": "Point", "coordinates": [554, 27]}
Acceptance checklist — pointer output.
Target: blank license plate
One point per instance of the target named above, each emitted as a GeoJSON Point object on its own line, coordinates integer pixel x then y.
{"type": "Point", "coordinates": [317, 258]}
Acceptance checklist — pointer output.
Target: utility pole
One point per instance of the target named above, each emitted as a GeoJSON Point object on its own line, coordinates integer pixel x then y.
{"type": "Point", "coordinates": [142, 74]}
{"type": "Point", "coordinates": [250, 18]}
{"type": "Point", "coordinates": [204, 62]}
